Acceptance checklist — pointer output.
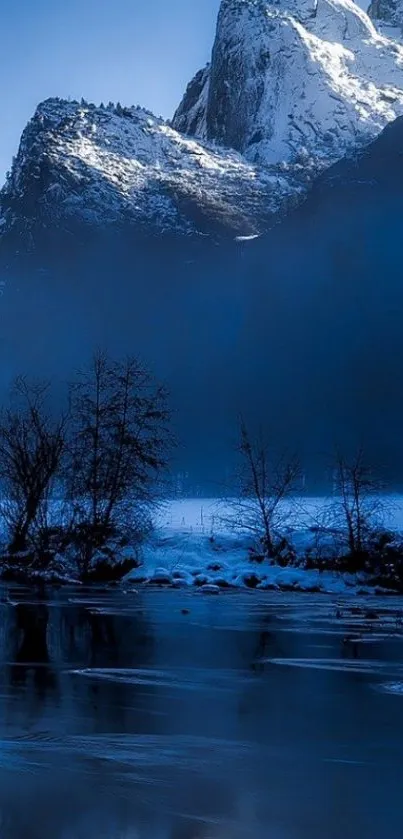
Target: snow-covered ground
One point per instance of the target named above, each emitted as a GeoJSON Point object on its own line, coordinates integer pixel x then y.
{"type": "Point", "coordinates": [194, 546]}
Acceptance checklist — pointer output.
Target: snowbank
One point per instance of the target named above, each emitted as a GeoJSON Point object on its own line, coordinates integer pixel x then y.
{"type": "Point", "coordinates": [192, 548]}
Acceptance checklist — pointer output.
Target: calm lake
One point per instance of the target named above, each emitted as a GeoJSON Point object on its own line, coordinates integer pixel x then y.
{"type": "Point", "coordinates": [173, 714]}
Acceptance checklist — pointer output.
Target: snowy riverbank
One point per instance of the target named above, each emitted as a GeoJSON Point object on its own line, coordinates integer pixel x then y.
{"type": "Point", "coordinates": [191, 547]}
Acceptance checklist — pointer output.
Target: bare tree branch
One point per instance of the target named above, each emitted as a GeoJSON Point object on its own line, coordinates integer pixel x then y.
{"type": "Point", "coordinates": [118, 447]}
{"type": "Point", "coordinates": [266, 485]}
{"type": "Point", "coordinates": [31, 447]}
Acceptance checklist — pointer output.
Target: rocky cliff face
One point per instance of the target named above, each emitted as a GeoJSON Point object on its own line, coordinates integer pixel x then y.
{"type": "Point", "coordinates": [289, 80]}
{"type": "Point", "coordinates": [388, 15]}
{"type": "Point", "coordinates": [81, 167]}
{"type": "Point", "coordinates": [292, 87]}
{"type": "Point", "coordinates": [302, 325]}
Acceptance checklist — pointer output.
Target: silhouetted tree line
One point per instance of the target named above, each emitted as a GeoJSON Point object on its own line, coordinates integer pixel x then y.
{"type": "Point", "coordinates": [78, 487]}
{"type": "Point", "coordinates": [82, 483]}
{"type": "Point", "coordinates": [348, 529]}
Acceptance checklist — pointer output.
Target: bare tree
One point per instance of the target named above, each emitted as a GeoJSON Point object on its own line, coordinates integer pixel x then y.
{"type": "Point", "coordinates": [357, 511]}
{"type": "Point", "coordinates": [119, 425]}
{"type": "Point", "coordinates": [31, 446]}
{"type": "Point", "coordinates": [266, 488]}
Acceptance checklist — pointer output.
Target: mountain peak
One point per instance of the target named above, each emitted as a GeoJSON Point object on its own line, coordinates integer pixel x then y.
{"type": "Point", "coordinates": [81, 166]}
{"type": "Point", "coordinates": [300, 9]}
{"type": "Point", "coordinates": [294, 77]}
{"type": "Point", "coordinates": [292, 87]}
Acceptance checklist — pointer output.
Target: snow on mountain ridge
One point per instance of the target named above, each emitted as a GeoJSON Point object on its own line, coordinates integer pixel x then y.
{"type": "Point", "coordinates": [103, 165]}
{"type": "Point", "coordinates": [292, 78]}
{"type": "Point", "coordinates": [292, 87]}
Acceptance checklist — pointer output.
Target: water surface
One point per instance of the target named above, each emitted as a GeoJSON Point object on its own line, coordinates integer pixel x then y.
{"type": "Point", "coordinates": [170, 714]}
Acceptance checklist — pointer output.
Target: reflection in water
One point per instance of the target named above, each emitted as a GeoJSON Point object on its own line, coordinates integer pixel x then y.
{"type": "Point", "coordinates": [169, 715]}
{"type": "Point", "coordinates": [265, 637]}
{"type": "Point", "coordinates": [31, 656]}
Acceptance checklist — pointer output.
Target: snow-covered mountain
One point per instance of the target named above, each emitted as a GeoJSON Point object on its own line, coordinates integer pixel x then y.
{"type": "Point", "coordinates": [294, 79]}
{"type": "Point", "coordinates": [302, 325]}
{"type": "Point", "coordinates": [106, 166]}
{"type": "Point", "coordinates": [292, 87]}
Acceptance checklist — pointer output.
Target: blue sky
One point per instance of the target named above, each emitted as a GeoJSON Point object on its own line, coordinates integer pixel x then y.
{"type": "Point", "coordinates": [135, 51]}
